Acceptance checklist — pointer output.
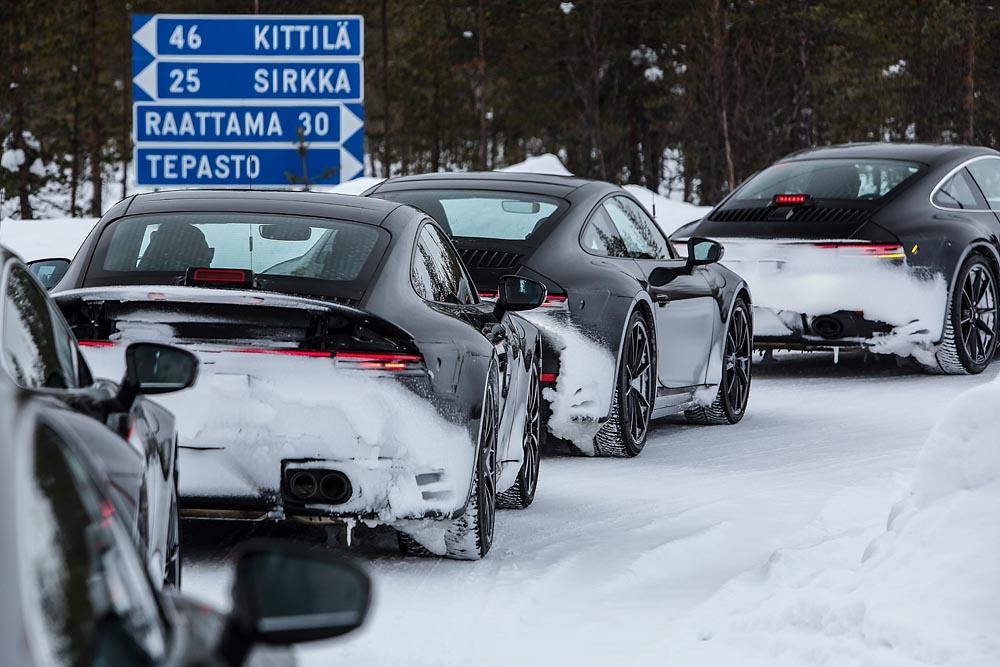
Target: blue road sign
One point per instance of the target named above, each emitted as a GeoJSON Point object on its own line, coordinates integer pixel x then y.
{"type": "Point", "coordinates": [247, 167]}
{"type": "Point", "coordinates": [250, 36]}
{"type": "Point", "coordinates": [219, 99]}
{"type": "Point", "coordinates": [171, 123]}
{"type": "Point", "coordinates": [240, 80]}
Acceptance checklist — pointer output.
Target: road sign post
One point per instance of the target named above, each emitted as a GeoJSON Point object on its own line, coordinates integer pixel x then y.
{"type": "Point", "coordinates": [222, 100]}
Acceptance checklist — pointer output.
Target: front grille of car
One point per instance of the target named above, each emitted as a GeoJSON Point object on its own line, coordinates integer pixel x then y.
{"type": "Point", "coordinates": [476, 258]}
{"type": "Point", "coordinates": [832, 214]}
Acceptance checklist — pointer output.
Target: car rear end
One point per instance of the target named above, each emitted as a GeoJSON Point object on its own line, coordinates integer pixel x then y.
{"type": "Point", "coordinates": [307, 407]}
{"type": "Point", "coordinates": [805, 234]}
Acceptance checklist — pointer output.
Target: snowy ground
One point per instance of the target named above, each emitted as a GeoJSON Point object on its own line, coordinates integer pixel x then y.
{"type": "Point", "coordinates": [718, 546]}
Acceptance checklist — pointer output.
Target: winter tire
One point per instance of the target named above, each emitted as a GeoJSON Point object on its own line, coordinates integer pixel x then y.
{"type": "Point", "coordinates": [624, 434]}
{"type": "Point", "coordinates": [730, 402]}
{"type": "Point", "coordinates": [521, 495]}
{"type": "Point", "coordinates": [971, 325]}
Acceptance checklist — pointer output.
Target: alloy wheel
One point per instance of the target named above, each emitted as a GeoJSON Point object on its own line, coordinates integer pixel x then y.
{"type": "Point", "coordinates": [638, 371]}
{"type": "Point", "coordinates": [739, 349]}
{"type": "Point", "coordinates": [978, 315]}
{"type": "Point", "coordinates": [488, 494]}
{"type": "Point", "coordinates": [532, 432]}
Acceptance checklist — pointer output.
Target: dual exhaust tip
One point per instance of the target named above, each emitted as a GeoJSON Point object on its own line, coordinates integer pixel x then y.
{"type": "Point", "coordinates": [319, 486]}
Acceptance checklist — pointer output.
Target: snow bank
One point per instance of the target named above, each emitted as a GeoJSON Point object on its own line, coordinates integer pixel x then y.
{"type": "Point", "coordinates": [585, 384]}
{"type": "Point", "coordinates": [42, 239]}
{"type": "Point", "coordinates": [922, 590]}
{"type": "Point", "coordinates": [670, 214]}
{"type": "Point", "coordinates": [547, 163]}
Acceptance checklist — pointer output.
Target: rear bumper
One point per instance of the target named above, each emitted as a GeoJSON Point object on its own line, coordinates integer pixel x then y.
{"type": "Point", "coordinates": [381, 492]}
{"type": "Point", "coordinates": [790, 330]}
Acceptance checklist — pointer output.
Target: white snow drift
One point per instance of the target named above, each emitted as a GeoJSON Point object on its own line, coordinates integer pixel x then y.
{"type": "Point", "coordinates": [920, 591]}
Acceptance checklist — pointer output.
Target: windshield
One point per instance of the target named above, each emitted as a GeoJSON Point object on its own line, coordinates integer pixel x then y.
{"type": "Point", "coordinates": [484, 214]}
{"type": "Point", "coordinates": [285, 253]}
{"type": "Point", "coordinates": [835, 178]}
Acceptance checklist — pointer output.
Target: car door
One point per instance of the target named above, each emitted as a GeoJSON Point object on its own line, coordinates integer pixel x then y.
{"type": "Point", "coordinates": [685, 309]}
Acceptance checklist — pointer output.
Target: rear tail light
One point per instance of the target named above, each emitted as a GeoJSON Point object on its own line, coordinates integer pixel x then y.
{"type": "Point", "coordinates": [877, 250]}
{"type": "Point", "coordinates": [96, 343]}
{"type": "Point", "coordinates": [549, 378]}
{"type": "Point", "coordinates": [796, 199]}
{"type": "Point", "coordinates": [552, 301]}
{"type": "Point", "coordinates": [556, 302]}
{"type": "Point", "coordinates": [281, 351]}
{"type": "Point", "coordinates": [369, 361]}
{"type": "Point", "coordinates": [380, 361]}
{"type": "Point", "coordinates": [231, 277]}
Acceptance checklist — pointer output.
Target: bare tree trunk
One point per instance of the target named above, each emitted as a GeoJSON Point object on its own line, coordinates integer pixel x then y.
{"type": "Point", "coordinates": [721, 93]}
{"type": "Point", "coordinates": [968, 80]}
{"type": "Point", "coordinates": [594, 82]}
{"type": "Point", "coordinates": [96, 129]}
{"type": "Point", "coordinates": [126, 75]}
{"type": "Point", "coordinates": [480, 90]}
{"type": "Point", "coordinates": [807, 132]}
{"type": "Point", "coordinates": [16, 100]}
{"type": "Point", "coordinates": [386, 116]}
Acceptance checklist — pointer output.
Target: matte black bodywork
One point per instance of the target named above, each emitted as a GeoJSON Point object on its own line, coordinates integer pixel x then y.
{"type": "Point", "coordinates": [689, 315]}
{"type": "Point", "coordinates": [936, 239]}
{"type": "Point", "coordinates": [138, 455]}
{"type": "Point", "coordinates": [458, 342]}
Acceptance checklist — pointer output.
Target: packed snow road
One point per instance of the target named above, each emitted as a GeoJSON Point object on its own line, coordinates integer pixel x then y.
{"type": "Point", "coordinates": [627, 561]}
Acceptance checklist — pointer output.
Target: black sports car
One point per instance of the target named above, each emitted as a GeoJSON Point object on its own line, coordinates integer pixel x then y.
{"type": "Point", "coordinates": [134, 438]}
{"type": "Point", "coordinates": [890, 247]}
{"type": "Point", "coordinates": [633, 332]}
{"type": "Point", "coordinates": [77, 590]}
{"type": "Point", "coordinates": [350, 370]}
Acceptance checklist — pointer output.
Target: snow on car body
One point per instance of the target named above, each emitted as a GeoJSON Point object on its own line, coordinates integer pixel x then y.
{"type": "Point", "coordinates": [873, 246]}
{"type": "Point", "coordinates": [350, 371]}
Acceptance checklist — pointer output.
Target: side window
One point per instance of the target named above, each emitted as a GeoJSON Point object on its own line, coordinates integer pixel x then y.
{"type": "Point", "coordinates": [959, 191]}
{"type": "Point", "coordinates": [987, 175]}
{"type": "Point", "coordinates": [87, 598]}
{"type": "Point", "coordinates": [39, 349]}
{"type": "Point", "coordinates": [437, 272]}
{"type": "Point", "coordinates": [600, 236]}
{"type": "Point", "coordinates": [642, 237]}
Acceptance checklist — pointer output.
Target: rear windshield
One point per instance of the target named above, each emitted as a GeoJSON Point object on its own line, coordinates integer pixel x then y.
{"type": "Point", "coordinates": [312, 256]}
{"type": "Point", "coordinates": [483, 214]}
{"type": "Point", "coordinates": [834, 178]}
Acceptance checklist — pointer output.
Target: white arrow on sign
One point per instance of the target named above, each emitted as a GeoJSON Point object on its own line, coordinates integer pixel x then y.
{"type": "Point", "coordinates": [146, 36]}
{"type": "Point", "coordinates": [349, 166]}
{"type": "Point", "coordinates": [349, 123]}
{"type": "Point", "coordinates": [146, 80]}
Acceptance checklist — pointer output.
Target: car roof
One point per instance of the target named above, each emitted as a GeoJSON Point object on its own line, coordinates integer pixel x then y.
{"type": "Point", "coordinates": [931, 154]}
{"type": "Point", "coordinates": [289, 202]}
{"type": "Point", "coordinates": [549, 184]}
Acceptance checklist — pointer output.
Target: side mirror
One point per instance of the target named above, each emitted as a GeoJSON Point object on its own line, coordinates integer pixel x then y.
{"type": "Point", "coordinates": [152, 368]}
{"type": "Point", "coordinates": [284, 594]}
{"type": "Point", "coordinates": [516, 293]}
{"type": "Point", "coordinates": [49, 271]}
{"type": "Point", "coordinates": [703, 251]}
